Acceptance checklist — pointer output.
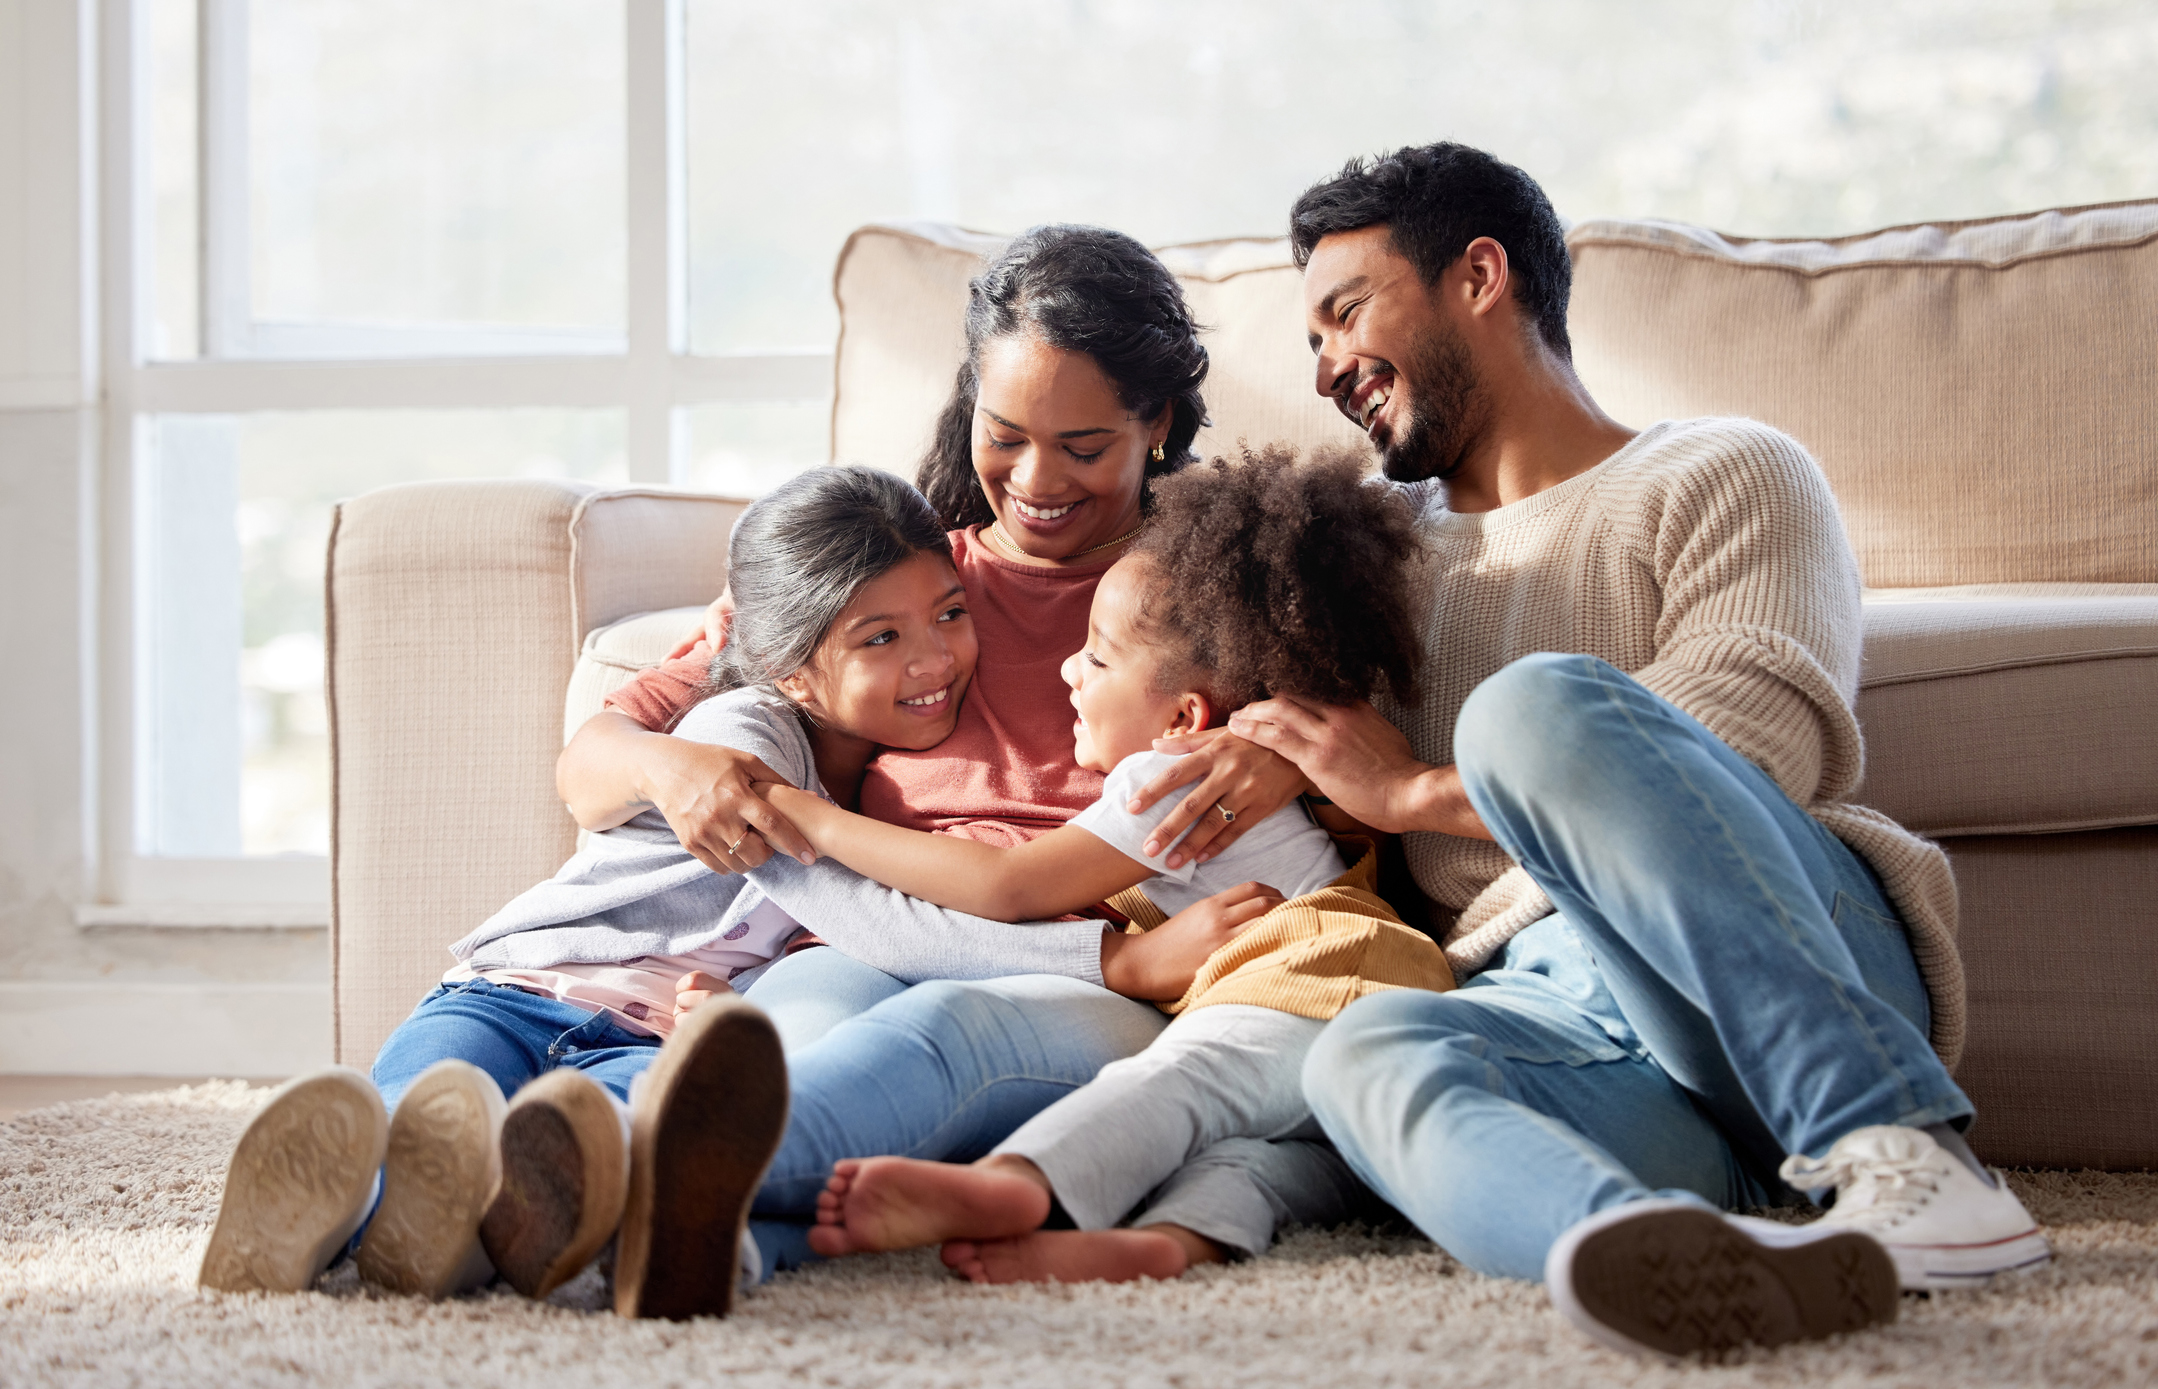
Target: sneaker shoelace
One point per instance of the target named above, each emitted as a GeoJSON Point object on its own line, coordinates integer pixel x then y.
{"type": "Point", "coordinates": [1890, 1187]}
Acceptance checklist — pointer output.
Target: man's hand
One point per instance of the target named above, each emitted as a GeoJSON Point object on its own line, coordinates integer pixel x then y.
{"type": "Point", "coordinates": [1362, 764]}
{"type": "Point", "coordinates": [1242, 778]}
{"type": "Point", "coordinates": [696, 988]}
{"type": "Point", "coordinates": [717, 619]}
{"type": "Point", "coordinates": [1159, 965]}
{"type": "Point", "coordinates": [707, 795]}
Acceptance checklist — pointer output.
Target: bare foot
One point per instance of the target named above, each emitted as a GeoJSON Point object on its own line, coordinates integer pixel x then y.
{"type": "Point", "coordinates": [900, 1203]}
{"type": "Point", "coordinates": [1068, 1256]}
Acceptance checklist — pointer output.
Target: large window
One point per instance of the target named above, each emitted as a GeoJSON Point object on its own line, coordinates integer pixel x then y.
{"type": "Point", "coordinates": [368, 241]}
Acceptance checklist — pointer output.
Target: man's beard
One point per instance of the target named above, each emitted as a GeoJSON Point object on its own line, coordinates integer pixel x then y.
{"type": "Point", "coordinates": [1445, 415]}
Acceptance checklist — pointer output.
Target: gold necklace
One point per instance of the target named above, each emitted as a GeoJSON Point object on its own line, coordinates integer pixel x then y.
{"type": "Point", "coordinates": [996, 529]}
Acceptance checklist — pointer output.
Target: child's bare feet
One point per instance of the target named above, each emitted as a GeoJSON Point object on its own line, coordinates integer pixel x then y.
{"type": "Point", "coordinates": [900, 1203]}
{"type": "Point", "coordinates": [1068, 1256]}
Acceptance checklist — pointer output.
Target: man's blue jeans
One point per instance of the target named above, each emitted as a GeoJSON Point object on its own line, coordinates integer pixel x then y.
{"type": "Point", "coordinates": [1724, 983]}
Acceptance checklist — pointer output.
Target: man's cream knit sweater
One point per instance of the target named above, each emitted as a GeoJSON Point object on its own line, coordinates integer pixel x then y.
{"type": "Point", "coordinates": [1705, 559]}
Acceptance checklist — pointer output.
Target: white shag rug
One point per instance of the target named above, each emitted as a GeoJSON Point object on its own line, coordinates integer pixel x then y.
{"type": "Point", "coordinates": [107, 1204]}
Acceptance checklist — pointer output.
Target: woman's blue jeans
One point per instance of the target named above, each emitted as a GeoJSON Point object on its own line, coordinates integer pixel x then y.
{"type": "Point", "coordinates": [1724, 983]}
{"type": "Point", "coordinates": [942, 1070]}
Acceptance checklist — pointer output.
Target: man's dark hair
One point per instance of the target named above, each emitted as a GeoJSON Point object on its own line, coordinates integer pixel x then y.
{"type": "Point", "coordinates": [1434, 200]}
{"type": "Point", "coordinates": [1274, 577]}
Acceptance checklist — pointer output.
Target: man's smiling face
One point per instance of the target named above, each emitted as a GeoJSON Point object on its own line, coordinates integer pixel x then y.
{"type": "Point", "coordinates": [1388, 356]}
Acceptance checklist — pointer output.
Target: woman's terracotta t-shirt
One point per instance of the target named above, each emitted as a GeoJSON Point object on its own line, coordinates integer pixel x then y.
{"type": "Point", "coordinates": [1006, 774]}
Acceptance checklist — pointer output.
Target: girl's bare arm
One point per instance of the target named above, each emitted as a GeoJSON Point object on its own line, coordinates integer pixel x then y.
{"type": "Point", "coordinates": [1065, 870]}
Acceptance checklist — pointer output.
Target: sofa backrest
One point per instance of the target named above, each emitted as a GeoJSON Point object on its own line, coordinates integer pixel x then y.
{"type": "Point", "coordinates": [1983, 395]}
{"type": "Point", "coordinates": [902, 292]}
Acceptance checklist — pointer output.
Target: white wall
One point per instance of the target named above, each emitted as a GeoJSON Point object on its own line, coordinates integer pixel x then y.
{"type": "Point", "coordinates": [74, 999]}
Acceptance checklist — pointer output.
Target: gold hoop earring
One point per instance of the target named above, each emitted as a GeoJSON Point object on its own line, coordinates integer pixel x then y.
{"type": "Point", "coordinates": [1158, 456]}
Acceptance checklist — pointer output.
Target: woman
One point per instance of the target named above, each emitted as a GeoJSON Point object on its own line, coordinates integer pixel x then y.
{"type": "Point", "coordinates": [1082, 381]}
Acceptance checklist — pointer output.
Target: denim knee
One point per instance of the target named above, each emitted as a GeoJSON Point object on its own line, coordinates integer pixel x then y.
{"type": "Point", "coordinates": [1529, 720]}
{"type": "Point", "coordinates": [1347, 1055]}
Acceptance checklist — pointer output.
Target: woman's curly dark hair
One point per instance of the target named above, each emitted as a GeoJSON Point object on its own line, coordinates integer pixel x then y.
{"type": "Point", "coordinates": [1274, 577]}
{"type": "Point", "coordinates": [1081, 289]}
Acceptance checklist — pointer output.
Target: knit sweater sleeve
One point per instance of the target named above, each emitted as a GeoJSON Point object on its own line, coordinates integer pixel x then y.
{"type": "Point", "coordinates": [1758, 632]}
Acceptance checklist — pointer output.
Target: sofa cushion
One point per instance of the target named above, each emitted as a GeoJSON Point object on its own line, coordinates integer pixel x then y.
{"type": "Point", "coordinates": [613, 655]}
{"type": "Point", "coordinates": [902, 293]}
{"type": "Point", "coordinates": [2015, 709]}
{"type": "Point", "coordinates": [1983, 395]}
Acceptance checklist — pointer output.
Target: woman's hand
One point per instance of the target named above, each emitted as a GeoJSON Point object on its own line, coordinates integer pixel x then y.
{"type": "Point", "coordinates": [696, 988]}
{"type": "Point", "coordinates": [1159, 965]}
{"type": "Point", "coordinates": [707, 794]}
{"type": "Point", "coordinates": [717, 619]}
{"type": "Point", "coordinates": [1238, 776]}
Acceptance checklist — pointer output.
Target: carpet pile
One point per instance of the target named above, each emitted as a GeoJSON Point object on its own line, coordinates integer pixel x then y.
{"type": "Point", "coordinates": [105, 1206]}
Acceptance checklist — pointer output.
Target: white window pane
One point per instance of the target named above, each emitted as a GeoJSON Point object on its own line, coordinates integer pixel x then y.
{"type": "Point", "coordinates": [413, 162]}
{"type": "Point", "coordinates": [745, 449]}
{"type": "Point", "coordinates": [176, 249]}
{"type": "Point", "coordinates": [232, 739]}
{"type": "Point", "coordinates": [1204, 118]}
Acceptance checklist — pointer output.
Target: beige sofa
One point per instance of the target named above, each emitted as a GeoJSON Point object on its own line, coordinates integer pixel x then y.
{"type": "Point", "coordinates": [1984, 397]}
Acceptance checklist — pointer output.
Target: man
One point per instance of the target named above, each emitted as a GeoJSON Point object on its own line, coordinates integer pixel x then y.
{"type": "Point", "coordinates": [1693, 978]}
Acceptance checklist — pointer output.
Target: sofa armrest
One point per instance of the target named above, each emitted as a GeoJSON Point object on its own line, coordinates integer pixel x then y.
{"type": "Point", "coordinates": [454, 614]}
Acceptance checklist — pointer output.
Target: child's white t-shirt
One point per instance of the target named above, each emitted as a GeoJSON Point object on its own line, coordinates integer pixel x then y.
{"type": "Point", "coordinates": [1287, 851]}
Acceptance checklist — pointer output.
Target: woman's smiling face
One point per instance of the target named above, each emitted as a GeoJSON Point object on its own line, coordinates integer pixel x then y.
{"type": "Point", "coordinates": [897, 660]}
{"type": "Point", "coordinates": [1061, 460]}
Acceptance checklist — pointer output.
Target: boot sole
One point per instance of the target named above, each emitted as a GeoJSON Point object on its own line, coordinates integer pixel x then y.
{"type": "Point", "coordinates": [440, 1172]}
{"type": "Point", "coordinates": [1678, 1280]}
{"type": "Point", "coordinates": [565, 1176]}
{"type": "Point", "coordinates": [298, 1184]}
{"type": "Point", "coordinates": [708, 1119]}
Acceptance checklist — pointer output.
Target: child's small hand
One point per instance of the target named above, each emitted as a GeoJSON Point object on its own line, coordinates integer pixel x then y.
{"type": "Point", "coordinates": [695, 988]}
{"type": "Point", "coordinates": [1161, 964]}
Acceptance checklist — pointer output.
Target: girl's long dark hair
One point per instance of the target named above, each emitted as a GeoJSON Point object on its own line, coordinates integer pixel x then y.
{"type": "Point", "coordinates": [1080, 289]}
{"type": "Point", "coordinates": [798, 556]}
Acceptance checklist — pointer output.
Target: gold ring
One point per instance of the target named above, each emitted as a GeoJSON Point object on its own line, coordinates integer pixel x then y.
{"type": "Point", "coordinates": [1228, 816]}
{"type": "Point", "coordinates": [737, 844]}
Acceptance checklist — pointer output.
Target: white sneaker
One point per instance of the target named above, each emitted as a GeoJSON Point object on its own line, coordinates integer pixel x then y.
{"type": "Point", "coordinates": [1669, 1277]}
{"type": "Point", "coordinates": [441, 1170]}
{"type": "Point", "coordinates": [298, 1185]}
{"type": "Point", "coordinates": [1943, 1225]}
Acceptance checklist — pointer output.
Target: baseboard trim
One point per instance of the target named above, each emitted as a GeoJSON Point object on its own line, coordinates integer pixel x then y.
{"type": "Point", "coordinates": [108, 1027]}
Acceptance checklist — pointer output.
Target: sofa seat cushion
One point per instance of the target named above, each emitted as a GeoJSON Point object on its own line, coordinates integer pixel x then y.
{"type": "Point", "coordinates": [2013, 708]}
{"type": "Point", "coordinates": [612, 656]}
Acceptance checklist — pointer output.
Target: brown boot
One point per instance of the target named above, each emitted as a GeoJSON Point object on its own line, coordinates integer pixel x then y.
{"type": "Point", "coordinates": [704, 1124]}
{"type": "Point", "coordinates": [438, 1177]}
{"type": "Point", "coordinates": [299, 1184]}
{"type": "Point", "coordinates": [565, 1174]}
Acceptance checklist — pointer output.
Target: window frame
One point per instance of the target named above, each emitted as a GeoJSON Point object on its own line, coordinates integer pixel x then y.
{"type": "Point", "coordinates": [648, 374]}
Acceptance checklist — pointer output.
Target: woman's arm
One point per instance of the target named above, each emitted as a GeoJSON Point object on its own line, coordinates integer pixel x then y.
{"type": "Point", "coordinates": [1065, 870]}
{"type": "Point", "coordinates": [615, 767]}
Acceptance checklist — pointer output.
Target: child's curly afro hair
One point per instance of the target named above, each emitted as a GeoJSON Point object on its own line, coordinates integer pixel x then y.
{"type": "Point", "coordinates": [1277, 577]}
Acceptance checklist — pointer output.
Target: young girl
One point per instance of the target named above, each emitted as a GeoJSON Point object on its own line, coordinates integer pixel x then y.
{"type": "Point", "coordinates": [852, 634]}
{"type": "Point", "coordinates": [1261, 579]}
